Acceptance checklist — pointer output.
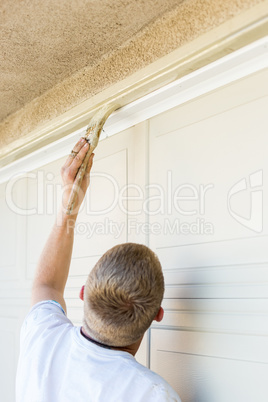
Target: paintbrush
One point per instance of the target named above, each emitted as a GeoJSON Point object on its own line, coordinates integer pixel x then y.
{"type": "Point", "coordinates": [92, 136]}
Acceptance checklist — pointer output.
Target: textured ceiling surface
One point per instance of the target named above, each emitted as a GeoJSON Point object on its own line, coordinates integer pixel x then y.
{"type": "Point", "coordinates": [54, 55]}
{"type": "Point", "coordinates": [43, 42]}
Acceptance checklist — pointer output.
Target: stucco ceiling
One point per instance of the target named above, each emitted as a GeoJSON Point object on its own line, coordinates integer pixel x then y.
{"type": "Point", "coordinates": [57, 54]}
{"type": "Point", "coordinates": [43, 42]}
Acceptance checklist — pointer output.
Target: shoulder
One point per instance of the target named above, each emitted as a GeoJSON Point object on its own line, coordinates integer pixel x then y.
{"type": "Point", "coordinates": [161, 390]}
{"type": "Point", "coordinates": [43, 316]}
{"type": "Point", "coordinates": [154, 387]}
{"type": "Point", "coordinates": [44, 310]}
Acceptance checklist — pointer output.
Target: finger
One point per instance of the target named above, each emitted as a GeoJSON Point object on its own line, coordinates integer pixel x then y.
{"type": "Point", "coordinates": [78, 160]}
{"type": "Point", "coordinates": [76, 148]}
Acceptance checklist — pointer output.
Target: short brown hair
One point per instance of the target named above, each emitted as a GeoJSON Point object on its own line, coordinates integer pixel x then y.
{"type": "Point", "coordinates": [123, 294]}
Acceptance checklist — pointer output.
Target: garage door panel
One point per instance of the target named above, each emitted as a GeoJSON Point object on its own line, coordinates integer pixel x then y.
{"type": "Point", "coordinates": [208, 378]}
{"type": "Point", "coordinates": [212, 180]}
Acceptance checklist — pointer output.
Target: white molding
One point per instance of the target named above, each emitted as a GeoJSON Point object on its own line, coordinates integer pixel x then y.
{"type": "Point", "coordinates": [239, 64]}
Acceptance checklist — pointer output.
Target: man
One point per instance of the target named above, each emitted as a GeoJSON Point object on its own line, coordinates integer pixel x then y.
{"type": "Point", "coordinates": [122, 295]}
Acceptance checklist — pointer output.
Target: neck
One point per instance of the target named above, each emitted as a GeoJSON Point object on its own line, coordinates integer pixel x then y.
{"type": "Point", "coordinates": [132, 349]}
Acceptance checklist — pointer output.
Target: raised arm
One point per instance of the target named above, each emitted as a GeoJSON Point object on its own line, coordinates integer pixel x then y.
{"type": "Point", "coordinates": [53, 266]}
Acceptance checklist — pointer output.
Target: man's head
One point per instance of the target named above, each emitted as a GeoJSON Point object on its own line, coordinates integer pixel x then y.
{"type": "Point", "coordinates": [123, 294]}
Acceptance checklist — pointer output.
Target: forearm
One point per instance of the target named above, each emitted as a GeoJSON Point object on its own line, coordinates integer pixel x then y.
{"type": "Point", "coordinates": [54, 263]}
{"type": "Point", "coordinates": [53, 266]}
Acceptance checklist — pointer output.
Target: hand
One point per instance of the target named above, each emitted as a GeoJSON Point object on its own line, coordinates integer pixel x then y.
{"type": "Point", "coordinates": [69, 171]}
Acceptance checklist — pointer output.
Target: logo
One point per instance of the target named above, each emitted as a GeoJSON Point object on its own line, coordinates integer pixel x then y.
{"type": "Point", "coordinates": [253, 196]}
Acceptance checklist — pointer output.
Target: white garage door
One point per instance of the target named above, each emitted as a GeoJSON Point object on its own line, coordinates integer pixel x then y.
{"type": "Point", "coordinates": [208, 219]}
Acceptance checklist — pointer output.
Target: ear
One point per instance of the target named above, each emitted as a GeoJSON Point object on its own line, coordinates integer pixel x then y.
{"type": "Point", "coordinates": [81, 294]}
{"type": "Point", "coordinates": [160, 315]}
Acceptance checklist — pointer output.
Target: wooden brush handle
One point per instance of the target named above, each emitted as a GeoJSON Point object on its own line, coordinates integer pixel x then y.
{"type": "Point", "coordinates": [78, 181]}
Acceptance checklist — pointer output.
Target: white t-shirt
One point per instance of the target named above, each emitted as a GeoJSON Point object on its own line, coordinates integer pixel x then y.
{"type": "Point", "coordinates": [57, 364]}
